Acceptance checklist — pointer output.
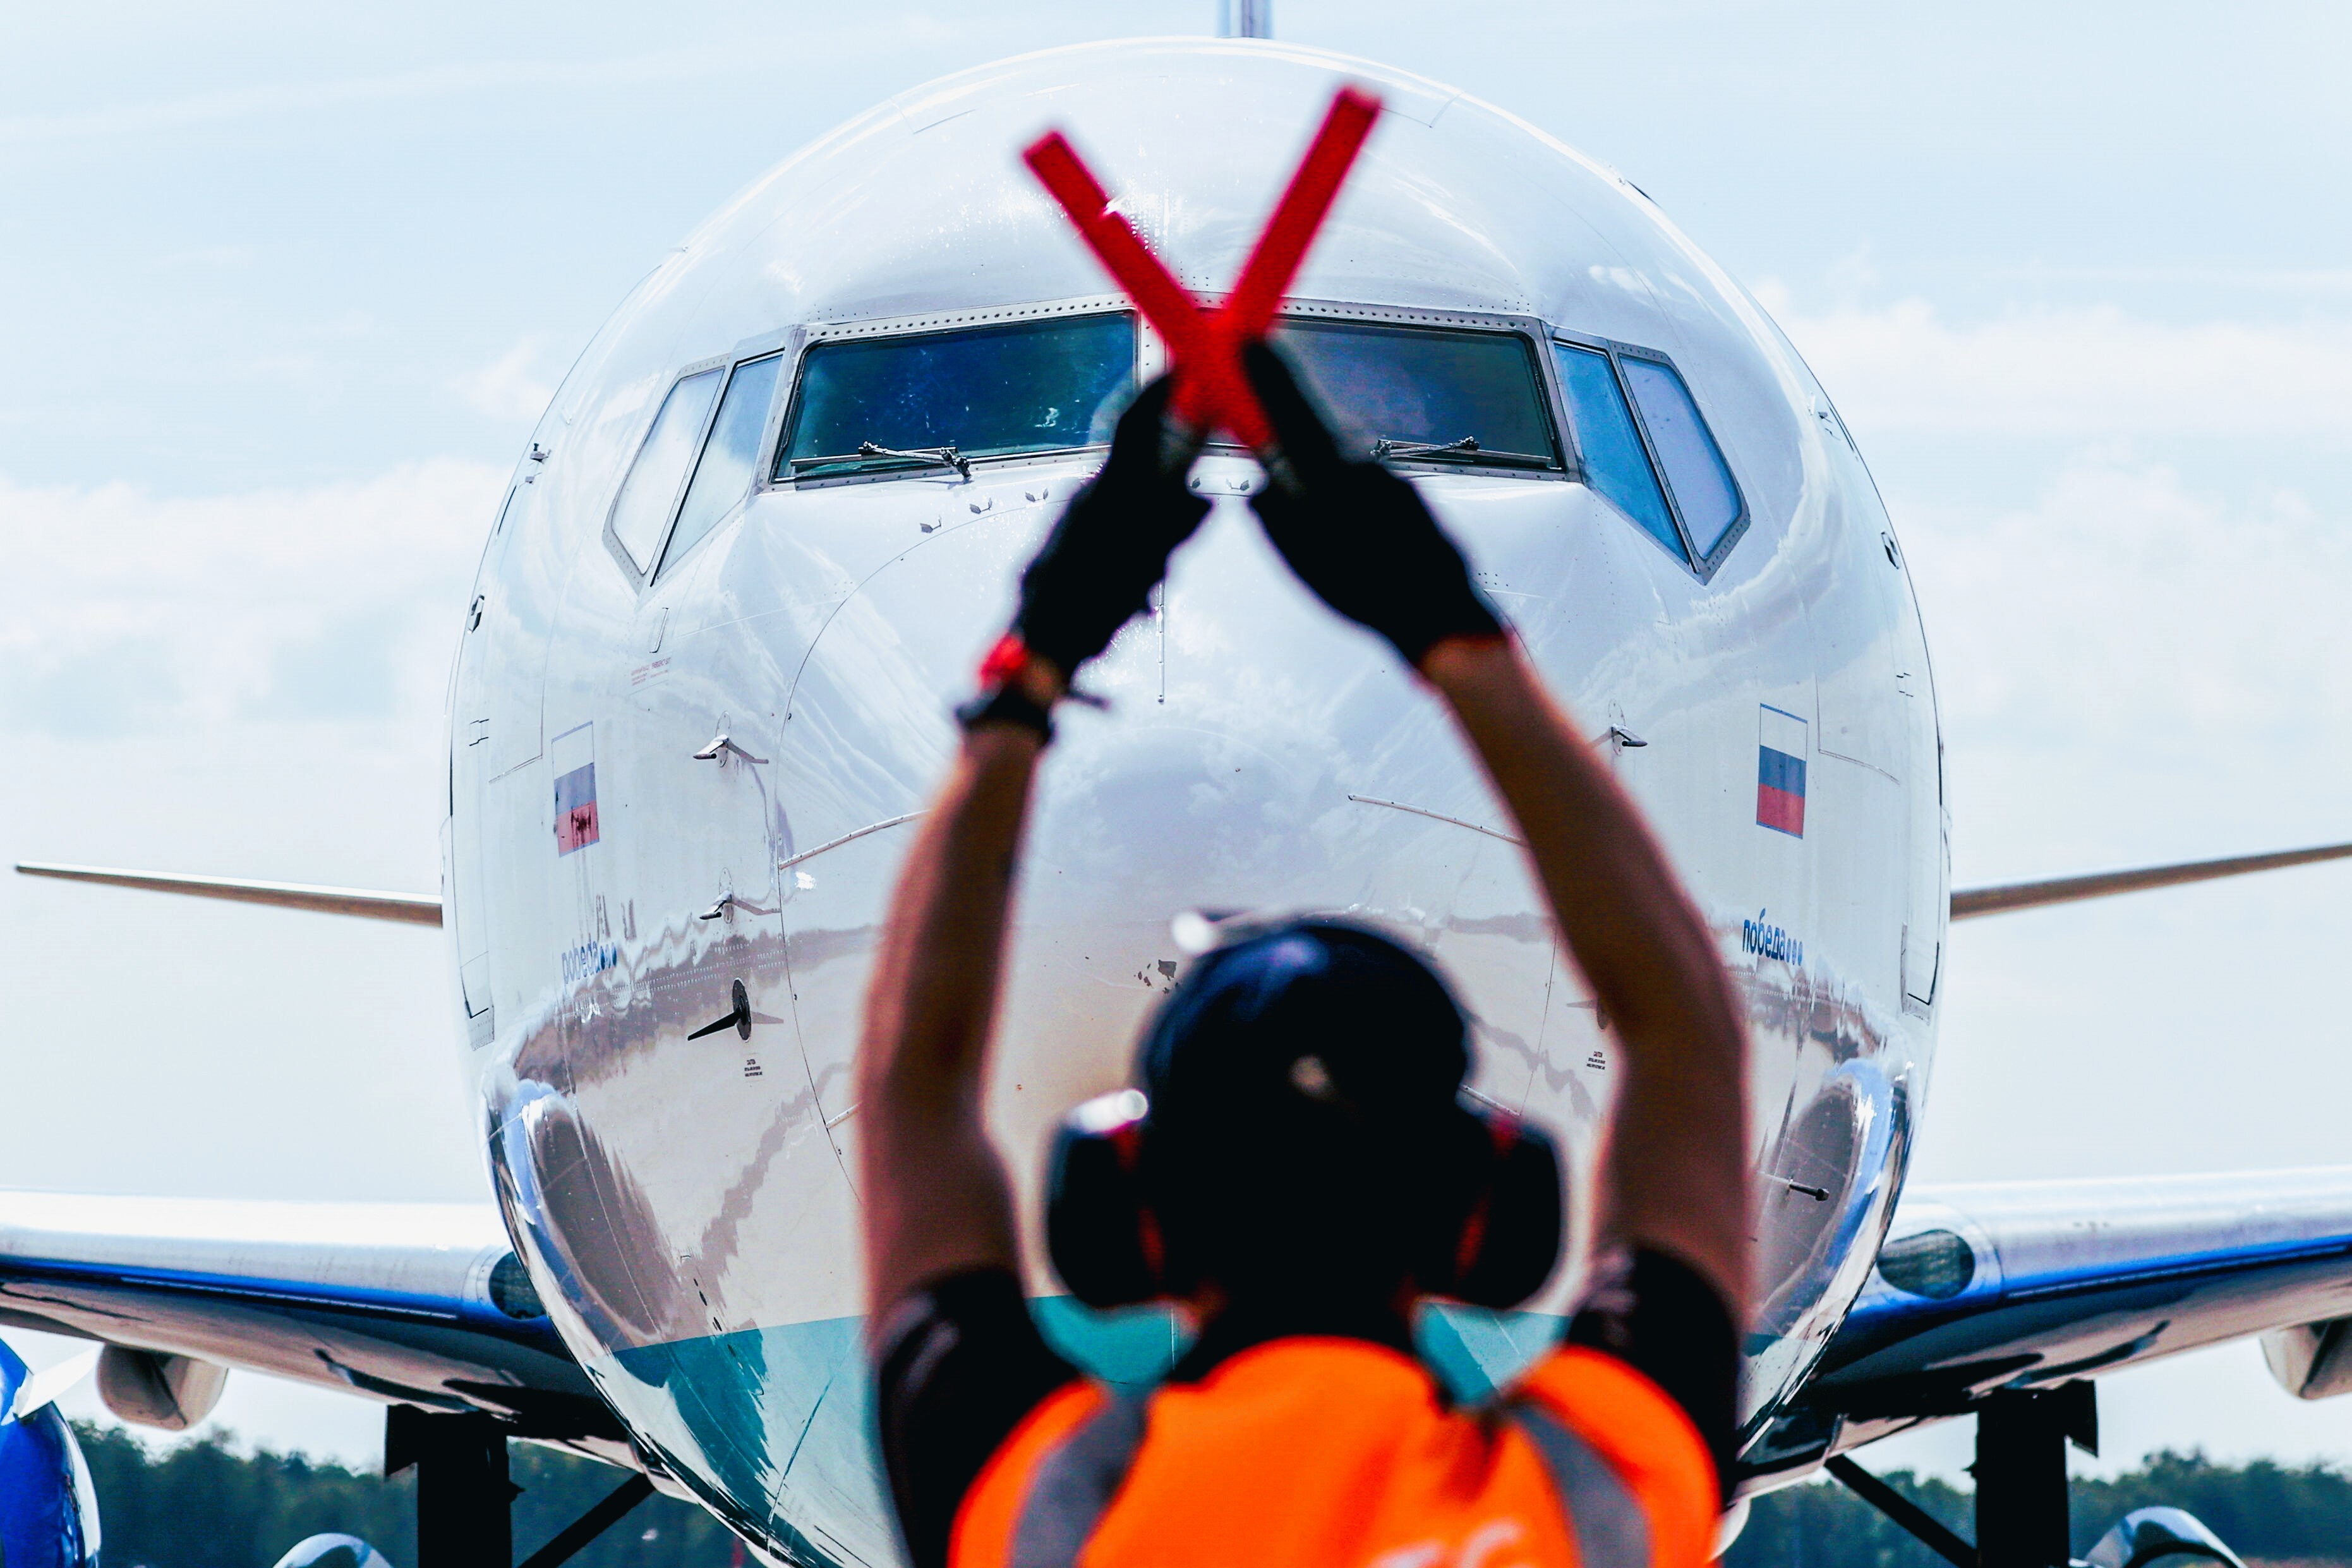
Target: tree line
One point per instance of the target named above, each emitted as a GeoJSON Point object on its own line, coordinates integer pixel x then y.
{"type": "Point", "coordinates": [205, 1505]}
{"type": "Point", "coordinates": [2264, 1510]}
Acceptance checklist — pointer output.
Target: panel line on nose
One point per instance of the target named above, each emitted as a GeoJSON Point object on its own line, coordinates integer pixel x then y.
{"type": "Point", "coordinates": [789, 861]}
{"type": "Point", "coordinates": [1436, 817]}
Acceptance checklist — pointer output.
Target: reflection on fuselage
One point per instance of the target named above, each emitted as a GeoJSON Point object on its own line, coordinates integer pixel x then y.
{"type": "Point", "coordinates": [744, 729]}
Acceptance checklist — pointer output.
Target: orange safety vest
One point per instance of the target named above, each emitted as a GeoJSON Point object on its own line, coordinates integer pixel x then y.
{"type": "Point", "coordinates": [1338, 1453]}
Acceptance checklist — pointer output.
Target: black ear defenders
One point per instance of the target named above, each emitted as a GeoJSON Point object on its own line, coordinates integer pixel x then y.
{"type": "Point", "coordinates": [1500, 1239]}
{"type": "Point", "coordinates": [1493, 1227]}
{"type": "Point", "coordinates": [1100, 1233]}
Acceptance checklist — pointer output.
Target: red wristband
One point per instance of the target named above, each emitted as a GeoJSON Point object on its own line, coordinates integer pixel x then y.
{"type": "Point", "coordinates": [1007, 660]}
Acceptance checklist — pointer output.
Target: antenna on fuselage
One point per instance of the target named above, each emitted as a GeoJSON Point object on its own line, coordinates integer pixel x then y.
{"type": "Point", "coordinates": [1245, 18]}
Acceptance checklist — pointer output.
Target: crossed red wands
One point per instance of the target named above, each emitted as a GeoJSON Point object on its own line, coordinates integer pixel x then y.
{"type": "Point", "coordinates": [1205, 342]}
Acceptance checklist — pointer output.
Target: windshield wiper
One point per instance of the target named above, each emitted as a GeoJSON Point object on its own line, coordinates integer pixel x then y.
{"type": "Point", "coordinates": [1388, 449]}
{"type": "Point", "coordinates": [871, 452]}
{"type": "Point", "coordinates": [938, 457]}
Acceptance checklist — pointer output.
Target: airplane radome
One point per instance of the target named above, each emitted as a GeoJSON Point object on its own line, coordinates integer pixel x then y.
{"type": "Point", "coordinates": [753, 551]}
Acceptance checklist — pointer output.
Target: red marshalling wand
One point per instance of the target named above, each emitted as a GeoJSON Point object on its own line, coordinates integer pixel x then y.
{"type": "Point", "coordinates": [1205, 342]}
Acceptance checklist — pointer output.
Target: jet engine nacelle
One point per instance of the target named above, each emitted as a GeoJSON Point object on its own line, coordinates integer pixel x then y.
{"type": "Point", "coordinates": [148, 1388]}
{"type": "Point", "coordinates": [2147, 1536]}
{"type": "Point", "coordinates": [332, 1551]}
{"type": "Point", "coordinates": [2311, 1361]}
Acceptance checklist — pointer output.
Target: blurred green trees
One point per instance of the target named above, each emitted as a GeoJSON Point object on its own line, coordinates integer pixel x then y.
{"type": "Point", "coordinates": [2264, 1511]}
{"type": "Point", "coordinates": [204, 1505]}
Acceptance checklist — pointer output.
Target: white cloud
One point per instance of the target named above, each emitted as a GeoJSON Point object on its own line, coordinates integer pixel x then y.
{"type": "Point", "coordinates": [2133, 667]}
{"type": "Point", "coordinates": [506, 387]}
{"type": "Point", "coordinates": [2075, 372]}
{"type": "Point", "coordinates": [126, 610]}
{"type": "Point", "coordinates": [2121, 596]}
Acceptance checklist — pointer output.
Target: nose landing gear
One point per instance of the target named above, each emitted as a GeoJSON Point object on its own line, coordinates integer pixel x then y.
{"type": "Point", "coordinates": [2020, 1471]}
{"type": "Point", "coordinates": [464, 1499]}
{"type": "Point", "coordinates": [2021, 1509]}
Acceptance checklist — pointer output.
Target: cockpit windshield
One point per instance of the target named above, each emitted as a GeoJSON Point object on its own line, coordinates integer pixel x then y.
{"type": "Point", "coordinates": [938, 400]}
{"type": "Point", "coordinates": [1420, 394]}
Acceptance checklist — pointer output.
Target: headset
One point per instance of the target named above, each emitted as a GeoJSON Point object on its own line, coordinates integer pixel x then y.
{"type": "Point", "coordinates": [1495, 1247]}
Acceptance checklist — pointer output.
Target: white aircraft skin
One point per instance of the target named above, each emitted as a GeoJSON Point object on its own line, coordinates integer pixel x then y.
{"type": "Point", "coordinates": [685, 1208]}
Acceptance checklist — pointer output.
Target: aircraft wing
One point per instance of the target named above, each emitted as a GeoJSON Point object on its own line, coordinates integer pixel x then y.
{"type": "Point", "coordinates": [421, 1304]}
{"type": "Point", "coordinates": [1969, 904]}
{"type": "Point", "coordinates": [2018, 1285]}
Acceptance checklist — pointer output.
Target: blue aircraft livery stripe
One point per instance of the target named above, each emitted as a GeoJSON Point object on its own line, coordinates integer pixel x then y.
{"type": "Point", "coordinates": [357, 1300]}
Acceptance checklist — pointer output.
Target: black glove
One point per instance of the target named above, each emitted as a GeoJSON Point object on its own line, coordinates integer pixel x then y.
{"type": "Point", "coordinates": [1099, 565]}
{"type": "Point", "coordinates": [1357, 534]}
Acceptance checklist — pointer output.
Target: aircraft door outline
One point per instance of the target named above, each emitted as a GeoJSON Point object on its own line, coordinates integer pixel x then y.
{"type": "Point", "coordinates": [470, 701]}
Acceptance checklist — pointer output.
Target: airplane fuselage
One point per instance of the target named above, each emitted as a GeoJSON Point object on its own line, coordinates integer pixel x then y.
{"type": "Point", "coordinates": [705, 680]}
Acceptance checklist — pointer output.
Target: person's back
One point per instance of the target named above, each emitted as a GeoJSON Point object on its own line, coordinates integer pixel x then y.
{"type": "Point", "coordinates": [1299, 1166]}
{"type": "Point", "coordinates": [1334, 1450]}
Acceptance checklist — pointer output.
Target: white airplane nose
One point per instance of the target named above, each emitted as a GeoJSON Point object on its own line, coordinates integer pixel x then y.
{"type": "Point", "coordinates": [1254, 753]}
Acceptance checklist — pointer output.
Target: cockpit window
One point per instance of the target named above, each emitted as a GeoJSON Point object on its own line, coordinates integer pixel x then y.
{"type": "Point", "coordinates": [730, 454]}
{"type": "Point", "coordinates": [641, 511]}
{"type": "Point", "coordinates": [1696, 471]}
{"type": "Point", "coordinates": [1424, 395]}
{"type": "Point", "coordinates": [1611, 444]}
{"type": "Point", "coordinates": [938, 400]}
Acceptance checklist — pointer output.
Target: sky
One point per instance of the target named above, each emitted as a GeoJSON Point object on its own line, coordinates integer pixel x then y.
{"type": "Point", "coordinates": [283, 289]}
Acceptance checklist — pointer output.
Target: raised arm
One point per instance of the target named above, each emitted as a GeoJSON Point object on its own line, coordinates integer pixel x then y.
{"type": "Point", "coordinates": [935, 1197]}
{"type": "Point", "coordinates": [1678, 1166]}
{"type": "Point", "coordinates": [1677, 1172]}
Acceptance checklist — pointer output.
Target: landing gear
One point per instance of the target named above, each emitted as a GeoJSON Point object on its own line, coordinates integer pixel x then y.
{"type": "Point", "coordinates": [2021, 1472]}
{"type": "Point", "coordinates": [464, 1499]}
{"type": "Point", "coordinates": [463, 1496]}
{"type": "Point", "coordinates": [1923, 1526]}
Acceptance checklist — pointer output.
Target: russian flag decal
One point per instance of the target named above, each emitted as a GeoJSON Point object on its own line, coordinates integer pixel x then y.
{"type": "Point", "coordinates": [573, 753]}
{"type": "Point", "coordinates": [1780, 772]}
